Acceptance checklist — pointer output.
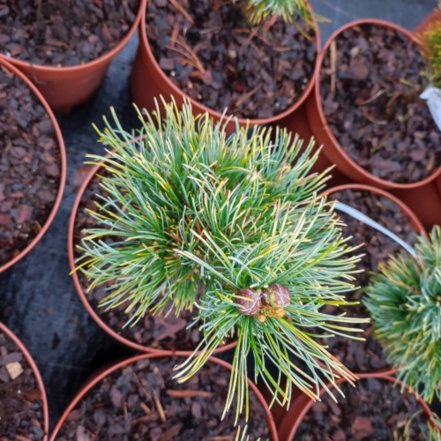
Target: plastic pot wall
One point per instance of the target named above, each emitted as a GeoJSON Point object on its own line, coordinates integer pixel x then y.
{"type": "Point", "coordinates": [97, 378]}
{"type": "Point", "coordinates": [60, 143]}
{"type": "Point", "coordinates": [84, 300]}
{"type": "Point", "coordinates": [148, 81]}
{"type": "Point", "coordinates": [67, 87]}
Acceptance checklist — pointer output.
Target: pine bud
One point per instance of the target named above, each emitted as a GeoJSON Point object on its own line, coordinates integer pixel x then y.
{"type": "Point", "coordinates": [248, 301]}
{"type": "Point", "coordinates": [277, 295]}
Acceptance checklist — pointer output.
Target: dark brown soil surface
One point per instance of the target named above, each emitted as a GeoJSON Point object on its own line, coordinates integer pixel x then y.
{"type": "Point", "coordinates": [372, 411]}
{"type": "Point", "coordinates": [21, 406]}
{"type": "Point", "coordinates": [153, 331]}
{"type": "Point", "coordinates": [30, 166]}
{"type": "Point", "coordinates": [374, 110]}
{"type": "Point", "coordinates": [211, 52]}
{"type": "Point", "coordinates": [143, 402]}
{"type": "Point", "coordinates": [63, 32]}
{"type": "Point", "coordinates": [367, 356]}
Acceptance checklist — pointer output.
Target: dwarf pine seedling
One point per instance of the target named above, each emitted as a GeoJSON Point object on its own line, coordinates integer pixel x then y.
{"type": "Point", "coordinates": [289, 10]}
{"type": "Point", "coordinates": [404, 301]}
{"type": "Point", "coordinates": [233, 227]}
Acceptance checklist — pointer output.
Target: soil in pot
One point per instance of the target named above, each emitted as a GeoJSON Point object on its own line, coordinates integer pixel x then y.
{"type": "Point", "coordinates": [373, 410]}
{"type": "Point", "coordinates": [370, 83]}
{"type": "Point", "coordinates": [141, 401]}
{"type": "Point", "coordinates": [63, 32]}
{"type": "Point", "coordinates": [211, 52]}
{"type": "Point", "coordinates": [21, 405]}
{"type": "Point", "coordinates": [30, 166]}
{"type": "Point", "coordinates": [159, 332]}
{"type": "Point", "coordinates": [367, 356]}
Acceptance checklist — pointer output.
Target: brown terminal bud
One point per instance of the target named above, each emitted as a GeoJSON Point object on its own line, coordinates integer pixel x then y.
{"type": "Point", "coordinates": [278, 295]}
{"type": "Point", "coordinates": [249, 301]}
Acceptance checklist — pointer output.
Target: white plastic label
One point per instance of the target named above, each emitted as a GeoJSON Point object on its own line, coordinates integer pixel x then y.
{"type": "Point", "coordinates": [433, 97]}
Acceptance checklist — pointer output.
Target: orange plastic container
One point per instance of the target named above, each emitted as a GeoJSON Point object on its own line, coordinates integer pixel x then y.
{"type": "Point", "coordinates": [67, 87]}
{"type": "Point", "coordinates": [148, 81]}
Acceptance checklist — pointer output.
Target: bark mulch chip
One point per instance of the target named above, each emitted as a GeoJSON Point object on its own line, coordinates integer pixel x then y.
{"type": "Point", "coordinates": [370, 84]}
{"type": "Point", "coordinates": [63, 32]}
{"type": "Point", "coordinates": [30, 166]}
{"type": "Point", "coordinates": [143, 402]}
{"type": "Point", "coordinates": [373, 410]}
{"type": "Point", "coordinates": [21, 406]}
{"type": "Point", "coordinates": [367, 356]}
{"type": "Point", "coordinates": [212, 53]}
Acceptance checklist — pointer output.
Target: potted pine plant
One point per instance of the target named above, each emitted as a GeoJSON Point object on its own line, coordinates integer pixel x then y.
{"type": "Point", "coordinates": [229, 227]}
{"type": "Point", "coordinates": [65, 47]}
{"type": "Point", "coordinates": [255, 58]}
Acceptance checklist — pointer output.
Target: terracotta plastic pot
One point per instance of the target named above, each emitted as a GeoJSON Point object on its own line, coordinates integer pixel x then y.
{"type": "Point", "coordinates": [302, 404]}
{"type": "Point", "coordinates": [297, 123]}
{"type": "Point", "coordinates": [60, 142]}
{"type": "Point", "coordinates": [98, 320]}
{"type": "Point", "coordinates": [37, 375]}
{"type": "Point", "coordinates": [67, 87]}
{"type": "Point", "coordinates": [324, 135]}
{"type": "Point", "coordinates": [425, 202]}
{"type": "Point", "coordinates": [414, 222]}
{"type": "Point", "coordinates": [148, 81]}
{"type": "Point", "coordinates": [95, 380]}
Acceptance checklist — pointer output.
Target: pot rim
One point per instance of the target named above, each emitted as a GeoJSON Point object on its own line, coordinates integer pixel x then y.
{"type": "Point", "coordinates": [324, 123]}
{"type": "Point", "coordinates": [106, 57]}
{"type": "Point", "coordinates": [414, 220]}
{"type": "Point", "coordinates": [160, 354]}
{"type": "Point", "coordinates": [305, 403]}
{"type": "Point", "coordinates": [144, 41]}
{"type": "Point", "coordinates": [80, 291]}
{"type": "Point", "coordinates": [58, 137]}
{"type": "Point", "coordinates": [36, 372]}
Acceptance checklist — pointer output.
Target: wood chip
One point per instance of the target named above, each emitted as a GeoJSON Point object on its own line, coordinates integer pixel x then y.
{"type": "Point", "coordinates": [15, 369]}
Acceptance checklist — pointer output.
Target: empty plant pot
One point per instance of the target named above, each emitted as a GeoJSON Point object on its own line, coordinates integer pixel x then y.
{"type": "Point", "coordinates": [366, 111]}
{"type": "Point", "coordinates": [375, 409]}
{"type": "Point", "coordinates": [366, 356]}
{"type": "Point", "coordinates": [32, 166]}
{"type": "Point", "coordinates": [139, 399]}
{"type": "Point", "coordinates": [71, 75]}
{"type": "Point", "coordinates": [205, 54]}
{"type": "Point", "coordinates": [151, 334]}
{"type": "Point", "coordinates": [24, 410]}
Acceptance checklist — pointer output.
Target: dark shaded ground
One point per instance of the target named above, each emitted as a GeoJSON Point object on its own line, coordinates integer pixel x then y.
{"type": "Point", "coordinates": [37, 298]}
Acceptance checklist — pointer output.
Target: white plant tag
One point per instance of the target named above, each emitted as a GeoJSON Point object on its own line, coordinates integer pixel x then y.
{"type": "Point", "coordinates": [433, 97]}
